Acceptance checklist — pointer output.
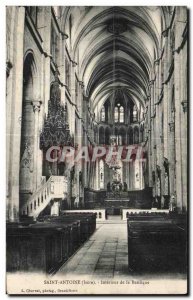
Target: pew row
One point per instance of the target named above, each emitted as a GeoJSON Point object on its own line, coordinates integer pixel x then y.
{"type": "Point", "coordinates": [45, 245]}
{"type": "Point", "coordinates": [130, 212]}
{"type": "Point", "coordinates": [100, 213]}
{"type": "Point", "coordinates": [157, 243]}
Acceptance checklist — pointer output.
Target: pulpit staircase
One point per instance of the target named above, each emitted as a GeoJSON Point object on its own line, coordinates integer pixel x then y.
{"type": "Point", "coordinates": [53, 188]}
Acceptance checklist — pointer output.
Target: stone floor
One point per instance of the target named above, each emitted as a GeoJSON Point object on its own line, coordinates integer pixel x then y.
{"type": "Point", "coordinates": [103, 255]}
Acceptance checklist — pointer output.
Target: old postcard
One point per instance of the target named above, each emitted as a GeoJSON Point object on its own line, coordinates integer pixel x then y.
{"type": "Point", "coordinates": [97, 105]}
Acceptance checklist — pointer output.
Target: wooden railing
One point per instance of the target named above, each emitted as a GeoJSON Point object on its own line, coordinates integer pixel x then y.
{"type": "Point", "coordinates": [132, 212]}
{"type": "Point", "coordinates": [100, 213]}
{"type": "Point", "coordinates": [53, 188]}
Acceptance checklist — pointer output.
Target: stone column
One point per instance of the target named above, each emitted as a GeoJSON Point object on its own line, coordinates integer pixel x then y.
{"type": "Point", "coordinates": [45, 32]}
{"type": "Point", "coordinates": [15, 103]}
{"type": "Point", "coordinates": [150, 135]}
{"type": "Point", "coordinates": [180, 80]}
{"type": "Point", "coordinates": [184, 153]}
{"type": "Point", "coordinates": [166, 97]}
{"type": "Point", "coordinates": [69, 188]}
{"type": "Point", "coordinates": [177, 72]}
{"type": "Point", "coordinates": [171, 145]}
{"type": "Point", "coordinates": [184, 133]}
{"type": "Point", "coordinates": [97, 175]}
{"type": "Point", "coordinates": [36, 108]}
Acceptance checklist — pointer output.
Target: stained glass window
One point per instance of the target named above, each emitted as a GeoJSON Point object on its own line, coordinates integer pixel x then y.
{"type": "Point", "coordinates": [121, 114]}
{"type": "Point", "coordinates": [135, 118]}
{"type": "Point", "coordinates": [102, 117]}
{"type": "Point", "coordinates": [116, 114]}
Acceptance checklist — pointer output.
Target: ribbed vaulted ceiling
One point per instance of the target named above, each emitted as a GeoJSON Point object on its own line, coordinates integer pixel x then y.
{"type": "Point", "coordinates": [116, 48]}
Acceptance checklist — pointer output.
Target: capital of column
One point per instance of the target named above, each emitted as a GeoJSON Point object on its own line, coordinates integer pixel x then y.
{"type": "Point", "coordinates": [36, 105]}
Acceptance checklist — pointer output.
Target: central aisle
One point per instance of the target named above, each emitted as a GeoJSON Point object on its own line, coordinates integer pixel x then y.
{"type": "Point", "coordinates": [104, 254]}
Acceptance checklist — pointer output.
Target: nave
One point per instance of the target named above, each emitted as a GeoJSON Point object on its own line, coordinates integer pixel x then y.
{"type": "Point", "coordinates": [97, 114]}
{"type": "Point", "coordinates": [104, 254]}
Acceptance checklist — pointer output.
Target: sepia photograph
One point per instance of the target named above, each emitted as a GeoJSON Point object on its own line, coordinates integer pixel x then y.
{"type": "Point", "coordinates": [97, 150]}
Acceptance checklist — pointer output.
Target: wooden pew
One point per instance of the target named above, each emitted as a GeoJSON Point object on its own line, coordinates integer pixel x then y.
{"type": "Point", "coordinates": [157, 243]}
{"type": "Point", "coordinates": [36, 247]}
{"type": "Point", "coordinates": [45, 245]}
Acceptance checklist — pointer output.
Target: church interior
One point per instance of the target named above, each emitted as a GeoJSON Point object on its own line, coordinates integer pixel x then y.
{"type": "Point", "coordinates": [82, 81]}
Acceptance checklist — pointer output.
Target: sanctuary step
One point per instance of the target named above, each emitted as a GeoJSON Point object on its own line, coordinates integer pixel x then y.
{"type": "Point", "coordinates": [46, 244]}
{"type": "Point", "coordinates": [157, 242]}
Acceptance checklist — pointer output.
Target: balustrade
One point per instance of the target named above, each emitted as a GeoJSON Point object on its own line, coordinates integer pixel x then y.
{"type": "Point", "coordinates": [54, 188]}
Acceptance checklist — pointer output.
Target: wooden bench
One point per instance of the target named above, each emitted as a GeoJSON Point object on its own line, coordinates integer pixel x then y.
{"type": "Point", "coordinates": [157, 243]}
{"type": "Point", "coordinates": [45, 245]}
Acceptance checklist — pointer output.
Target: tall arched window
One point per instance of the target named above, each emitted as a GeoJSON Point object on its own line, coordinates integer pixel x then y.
{"type": "Point", "coordinates": [135, 116]}
{"type": "Point", "coordinates": [102, 116]}
{"type": "Point", "coordinates": [116, 114]}
{"type": "Point", "coordinates": [121, 114]}
{"type": "Point", "coordinates": [101, 174]}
